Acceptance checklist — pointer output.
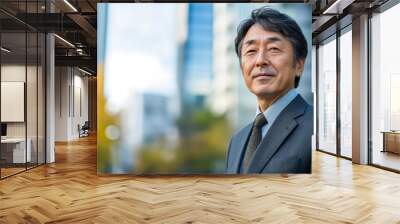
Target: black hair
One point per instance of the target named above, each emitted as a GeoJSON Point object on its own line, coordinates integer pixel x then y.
{"type": "Point", "coordinates": [275, 21]}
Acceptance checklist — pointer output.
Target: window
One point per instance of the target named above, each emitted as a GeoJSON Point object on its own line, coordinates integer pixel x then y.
{"type": "Point", "coordinates": [22, 65]}
{"type": "Point", "coordinates": [346, 93]}
{"type": "Point", "coordinates": [385, 89]}
{"type": "Point", "coordinates": [327, 96]}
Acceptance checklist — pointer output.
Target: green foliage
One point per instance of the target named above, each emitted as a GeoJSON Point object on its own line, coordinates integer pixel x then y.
{"type": "Point", "coordinates": [204, 139]}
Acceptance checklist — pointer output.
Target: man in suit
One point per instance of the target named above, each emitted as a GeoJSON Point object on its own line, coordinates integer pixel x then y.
{"type": "Point", "coordinates": [272, 49]}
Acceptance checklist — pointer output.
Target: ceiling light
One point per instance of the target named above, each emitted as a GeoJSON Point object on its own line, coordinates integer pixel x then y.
{"type": "Point", "coordinates": [5, 50]}
{"type": "Point", "coordinates": [338, 6]}
{"type": "Point", "coordinates": [65, 41]}
{"type": "Point", "coordinates": [84, 71]}
{"type": "Point", "coordinates": [70, 5]}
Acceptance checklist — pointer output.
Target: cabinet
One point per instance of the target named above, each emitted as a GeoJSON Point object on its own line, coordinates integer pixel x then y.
{"type": "Point", "coordinates": [391, 141]}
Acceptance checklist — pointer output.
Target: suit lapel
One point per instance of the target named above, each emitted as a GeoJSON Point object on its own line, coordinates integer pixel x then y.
{"type": "Point", "coordinates": [280, 129]}
{"type": "Point", "coordinates": [239, 148]}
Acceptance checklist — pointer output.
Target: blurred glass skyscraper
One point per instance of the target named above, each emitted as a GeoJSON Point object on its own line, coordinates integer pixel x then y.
{"type": "Point", "coordinates": [197, 56]}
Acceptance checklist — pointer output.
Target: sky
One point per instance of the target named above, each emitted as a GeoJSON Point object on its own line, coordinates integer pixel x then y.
{"type": "Point", "coordinates": [140, 51]}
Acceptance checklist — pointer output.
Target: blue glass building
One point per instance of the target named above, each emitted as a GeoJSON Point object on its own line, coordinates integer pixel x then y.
{"type": "Point", "coordinates": [197, 55]}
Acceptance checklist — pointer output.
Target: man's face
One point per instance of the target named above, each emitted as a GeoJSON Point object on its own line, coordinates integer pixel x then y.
{"type": "Point", "coordinates": [267, 62]}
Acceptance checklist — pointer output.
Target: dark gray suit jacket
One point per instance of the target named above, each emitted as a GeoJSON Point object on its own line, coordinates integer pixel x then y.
{"type": "Point", "coordinates": [286, 148]}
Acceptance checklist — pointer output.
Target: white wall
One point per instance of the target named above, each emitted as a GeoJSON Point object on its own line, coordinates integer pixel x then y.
{"type": "Point", "coordinates": [16, 73]}
{"type": "Point", "coordinates": [33, 126]}
{"type": "Point", "coordinates": [71, 94]}
{"type": "Point", "coordinates": [61, 103]}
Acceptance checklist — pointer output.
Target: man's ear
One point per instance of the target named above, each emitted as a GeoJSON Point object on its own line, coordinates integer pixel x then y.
{"type": "Point", "coordinates": [299, 67]}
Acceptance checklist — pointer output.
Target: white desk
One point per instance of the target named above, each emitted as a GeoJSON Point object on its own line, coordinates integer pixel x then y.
{"type": "Point", "coordinates": [19, 149]}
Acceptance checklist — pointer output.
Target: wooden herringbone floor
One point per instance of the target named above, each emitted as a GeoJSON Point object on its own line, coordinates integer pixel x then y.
{"type": "Point", "coordinates": [70, 191]}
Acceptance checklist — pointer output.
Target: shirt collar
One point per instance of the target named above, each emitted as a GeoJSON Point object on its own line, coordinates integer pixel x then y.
{"type": "Point", "coordinates": [276, 108]}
